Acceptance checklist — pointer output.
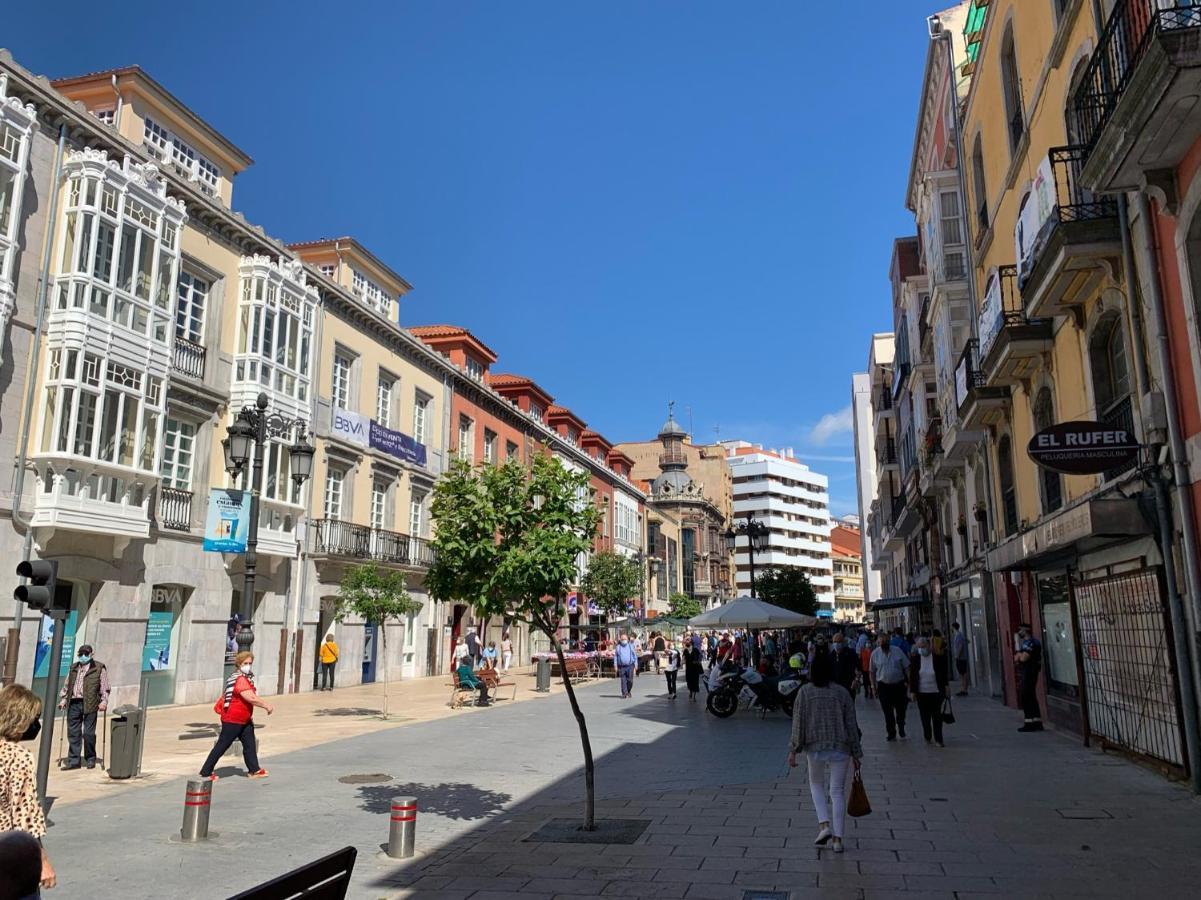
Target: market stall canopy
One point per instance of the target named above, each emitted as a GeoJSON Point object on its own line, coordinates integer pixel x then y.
{"type": "Point", "coordinates": [753, 613]}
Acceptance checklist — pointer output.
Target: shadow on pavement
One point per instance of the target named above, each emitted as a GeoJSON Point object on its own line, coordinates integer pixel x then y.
{"type": "Point", "coordinates": [348, 711]}
{"type": "Point", "coordinates": [449, 799]}
{"type": "Point", "coordinates": [200, 730]}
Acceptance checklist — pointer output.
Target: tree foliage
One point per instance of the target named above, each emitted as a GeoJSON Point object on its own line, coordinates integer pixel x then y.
{"type": "Point", "coordinates": [680, 605]}
{"type": "Point", "coordinates": [506, 539]}
{"type": "Point", "coordinates": [374, 595]}
{"type": "Point", "coordinates": [788, 587]}
{"type": "Point", "coordinates": [612, 581]}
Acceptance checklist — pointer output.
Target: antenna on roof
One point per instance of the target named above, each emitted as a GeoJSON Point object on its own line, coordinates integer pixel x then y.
{"type": "Point", "coordinates": [689, 408]}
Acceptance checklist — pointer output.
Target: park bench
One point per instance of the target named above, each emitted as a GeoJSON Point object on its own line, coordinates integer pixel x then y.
{"type": "Point", "coordinates": [576, 670]}
{"type": "Point", "coordinates": [324, 879]}
{"type": "Point", "coordinates": [460, 695]}
{"type": "Point", "coordinates": [492, 678]}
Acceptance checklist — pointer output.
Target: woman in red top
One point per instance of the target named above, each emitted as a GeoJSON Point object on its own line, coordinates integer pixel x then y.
{"type": "Point", "coordinates": [237, 707]}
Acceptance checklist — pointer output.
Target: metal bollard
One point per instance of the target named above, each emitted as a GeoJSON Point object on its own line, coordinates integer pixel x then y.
{"type": "Point", "coordinates": [196, 804]}
{"type": "Point", "coordinates": [402, 830]}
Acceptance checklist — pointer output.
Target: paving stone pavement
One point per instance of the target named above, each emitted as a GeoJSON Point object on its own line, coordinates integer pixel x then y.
{"type": "Point", "coordinates": [995, 813]}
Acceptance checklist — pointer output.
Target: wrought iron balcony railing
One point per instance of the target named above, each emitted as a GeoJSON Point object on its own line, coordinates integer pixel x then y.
{"type": "Point", "coordinates": [1132, 26]}
{"type": "Point", "coordinates": [1120, 415]}
{"type": "Point", "coordinates": [174, 508]}
{"type": "Point", "coordinates": [347, 540]}
{"type": "Point", "coordinates": [187, 358]}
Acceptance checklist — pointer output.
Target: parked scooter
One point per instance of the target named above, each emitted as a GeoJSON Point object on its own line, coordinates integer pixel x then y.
{"type": "Point", "coordinates": [764, 694]}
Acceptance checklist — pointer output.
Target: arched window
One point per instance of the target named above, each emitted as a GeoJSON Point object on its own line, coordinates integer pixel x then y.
{"type": "Point", "coordinates": [1072, 117]}
{"type": "Point", "coordinates": [1111, 374]}
{"type": "Point", "coordinates": [1009, 500]}
{"type": "Point", "coordinates": [1011, 83]}
{"type": "Point", "coordinates": [978, 187]}
{"type": "Point", "coordinates": [1051, 482]}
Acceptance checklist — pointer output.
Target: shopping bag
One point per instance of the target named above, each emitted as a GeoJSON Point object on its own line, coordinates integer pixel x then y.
{"type": "Point", "coordinates": [857, 804]}
{"type": "Point", "coordinates": [948, 715]}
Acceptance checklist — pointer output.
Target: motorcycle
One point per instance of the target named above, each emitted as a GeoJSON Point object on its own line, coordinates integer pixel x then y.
{"type": "Point", "coordinates": [765, 694]}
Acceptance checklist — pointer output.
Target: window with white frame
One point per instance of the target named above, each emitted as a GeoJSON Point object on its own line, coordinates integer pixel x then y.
{"type": "Point", "coordinates": [951, 228]}
{"type": "Point", "coordinates": [379, 504]}
{"type": "Point", "coordinates": [275, 328]}
{"type": "Point", "coordinates": [384, 390]}
{"type": "Point", "coordinates": [179, 442]}
{"type": "Point", "coordinates": [107, 116]}
{"type": "Point", "coordinates": [371, 293]}
{"type": "Point", "coordinates": [170, 147]}
{"type": "Point", "coordinates": [417, 515]}
{"type": "Point", "coordinates": [119, 255]}
{"type": "Point", "coordinates": [16, 124]}
{"type": "Point", "coordinates": [189, 307]}
{"type": "Point", "coordinates": [328, 269]}
{"type": "Point", "coordinates": [277, 484]}
{"type": "Point", "coordinates": [340, 387]}
{"type": "Point", "coordinates": [421, 404]}
{"type": "Point", "coordinates": [466, 439]}
{"type": "Point", "coordinates": [101, 410]}
{"type": "Point", "coordinates": [537, 412]}
{"type": "Point", "coordinates": [489, 446]}
{"type": "Point", "coordinates": [335, 480]}
{"type": "Point", "coordinates": [475, 369]}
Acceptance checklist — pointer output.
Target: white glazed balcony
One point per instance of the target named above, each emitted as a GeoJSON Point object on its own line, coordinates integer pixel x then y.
{"type": "Point", "coordinates": [81, 494]}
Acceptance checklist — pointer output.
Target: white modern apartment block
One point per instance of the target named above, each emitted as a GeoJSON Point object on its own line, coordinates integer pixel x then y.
{"type": "Point", "coordinates": [794, 503]}
{"type": "Point", "coordinates": [866, 403]}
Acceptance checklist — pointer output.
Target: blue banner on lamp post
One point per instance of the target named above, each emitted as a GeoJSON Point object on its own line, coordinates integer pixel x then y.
{"type": "Point", "coordinates": [228, 521]}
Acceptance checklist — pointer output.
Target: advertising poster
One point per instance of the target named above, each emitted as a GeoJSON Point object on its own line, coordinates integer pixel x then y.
{"type": "Point", "coordinates": [156, 652]}
{"type": "Point", "coordinates": [351, 427]}
{"type": "Point", "coordinates": [228, 521]}
{"type": "Point", "coordinates": [41, 663]}
{"type": "Point", "coordinates": [364, 432]}
{"type": "Point", "coordinates": [991, 315]}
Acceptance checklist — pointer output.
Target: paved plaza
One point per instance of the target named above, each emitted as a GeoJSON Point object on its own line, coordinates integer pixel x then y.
{"type": "Point", "coordinates": [996, 812]}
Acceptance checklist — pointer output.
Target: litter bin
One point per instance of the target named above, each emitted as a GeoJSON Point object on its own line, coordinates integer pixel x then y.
{"type": "Point", "coordinates": [543, 685]}
{"type": "Point", "coordinates": [125, 742]}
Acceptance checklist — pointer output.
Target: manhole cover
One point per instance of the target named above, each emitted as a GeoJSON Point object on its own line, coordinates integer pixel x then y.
{"type": "Point", "coordinates": [376, 778]}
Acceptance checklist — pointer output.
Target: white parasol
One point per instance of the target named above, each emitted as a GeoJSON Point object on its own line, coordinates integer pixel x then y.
{"type": "Point", "coordinates": [751, 612]}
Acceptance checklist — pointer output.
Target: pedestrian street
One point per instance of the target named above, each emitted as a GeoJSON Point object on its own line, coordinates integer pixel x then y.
{"type": "Point", "coordinates": [995, 812]}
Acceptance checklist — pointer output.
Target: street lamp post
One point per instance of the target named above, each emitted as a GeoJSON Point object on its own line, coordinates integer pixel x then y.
{"type": "Point", "coordinates": [247, 438]}
{"type": "Point", "coordinates": [756, 534]}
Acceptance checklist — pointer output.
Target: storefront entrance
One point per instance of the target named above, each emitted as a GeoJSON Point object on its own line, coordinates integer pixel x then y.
{"type": "Point", "coordinates": [160, 649]}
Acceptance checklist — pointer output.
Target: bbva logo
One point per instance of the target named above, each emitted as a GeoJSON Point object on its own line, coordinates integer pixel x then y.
{"type": "Point", "coordinates": [344, 423]}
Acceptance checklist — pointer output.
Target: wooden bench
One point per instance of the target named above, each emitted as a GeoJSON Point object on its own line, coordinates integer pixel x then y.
{"type": "Point", "coordinates": [460, 695]}
{"type": "Point", "coordinates": [324, 879]}
{"type": "Point", "coordinates": [491, 677]}
{"type": "Point", "coordinates": [576, 670]}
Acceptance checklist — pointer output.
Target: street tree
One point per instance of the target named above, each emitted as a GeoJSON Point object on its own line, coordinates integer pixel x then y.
{"type": "Point", "coordinates": [506, 542]}
{"type": "Point", "coordinates": [375, 595]}
{"type": "Point", "coordinates": [788, 587]}
{"type": "Point", "coordinates": [681, 606]}
{"type": "Point", "coordinates": [612, 581]}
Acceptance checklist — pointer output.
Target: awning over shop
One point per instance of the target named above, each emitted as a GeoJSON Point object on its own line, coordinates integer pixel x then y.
{"type": "Point", "coordinates": [897, 603]}
{"type": "Point", "coordinates": [1078, 529]}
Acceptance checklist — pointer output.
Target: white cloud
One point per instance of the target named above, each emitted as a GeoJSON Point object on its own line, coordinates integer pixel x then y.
{"type": "Point", "coordinates": [831, 425]}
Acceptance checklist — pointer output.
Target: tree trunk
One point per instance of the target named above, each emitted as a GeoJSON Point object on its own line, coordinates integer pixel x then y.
{"type": "Point", "coordinates": [589, 766]}
{"type": "Point", "coordinates": [384, 643]}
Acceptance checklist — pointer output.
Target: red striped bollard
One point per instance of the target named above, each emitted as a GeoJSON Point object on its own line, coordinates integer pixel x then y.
{"type": "Point", "coordinates": [402, 830]}
{"type": "Point", "coordinates": [197, 802]}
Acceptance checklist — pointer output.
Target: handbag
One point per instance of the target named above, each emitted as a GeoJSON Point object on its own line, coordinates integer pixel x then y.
{"type": "Point", "coordinates": [857, 803]}
{"type": "Point", "coordinates": [948, 715]}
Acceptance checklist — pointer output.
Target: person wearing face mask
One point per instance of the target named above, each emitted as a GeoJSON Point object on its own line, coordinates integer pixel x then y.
{"type": "Point", "coordinates": [928, 687]}
{"type": "Point", "coordinates": [626, 660]}
{"type": "Point", "coordinates": [846, 664]}
{"type": "Point", "coordinates": [84, 695]}
{"type": "Point", "coordinates": [20, 723]}
{"type": "Point", "coordinates": [236, 708]}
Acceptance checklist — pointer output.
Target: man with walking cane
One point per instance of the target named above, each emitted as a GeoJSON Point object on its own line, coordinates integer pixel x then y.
{"type": "Point", "coordinates": [83, 696]}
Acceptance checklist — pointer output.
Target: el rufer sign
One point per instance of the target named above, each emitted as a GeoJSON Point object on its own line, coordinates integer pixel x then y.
{"type": "Point", "coordinates": [1083, 448]}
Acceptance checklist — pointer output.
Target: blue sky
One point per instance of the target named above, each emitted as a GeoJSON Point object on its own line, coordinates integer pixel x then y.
{"type": "Point", "coordinates": [631, 202]}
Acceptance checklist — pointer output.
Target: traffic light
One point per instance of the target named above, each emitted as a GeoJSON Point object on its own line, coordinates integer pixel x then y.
{"type": "Point", "coordinates": [43, 578]}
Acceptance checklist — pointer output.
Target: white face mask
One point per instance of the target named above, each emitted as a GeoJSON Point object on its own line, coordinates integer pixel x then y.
{"type": "Point", "coordinates": [245, 668]}
{"type": "Point", "coordinates": [924, 651]}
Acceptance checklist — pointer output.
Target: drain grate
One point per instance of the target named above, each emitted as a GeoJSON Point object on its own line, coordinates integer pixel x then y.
{"type": "Point", "coordinates": [765, 895]}
{"type": "Point", "coordinates": [374, 778]}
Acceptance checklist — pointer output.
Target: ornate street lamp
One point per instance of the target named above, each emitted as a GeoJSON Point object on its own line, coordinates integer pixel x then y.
{"type": "Point", "coordinates": [757, 535]}
{"type": "Point", "coordinates": [246, 440]}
